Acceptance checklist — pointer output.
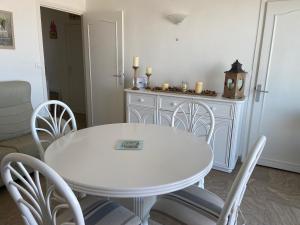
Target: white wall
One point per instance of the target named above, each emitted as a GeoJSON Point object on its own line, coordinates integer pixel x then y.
{"type": "Point", "coordinates": [215, 33]}
{"type": "Point", "coordinates": [25, 62]}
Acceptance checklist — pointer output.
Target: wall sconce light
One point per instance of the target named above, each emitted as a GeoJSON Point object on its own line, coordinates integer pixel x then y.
{"type": "Point", "coordinates": [176, 18]}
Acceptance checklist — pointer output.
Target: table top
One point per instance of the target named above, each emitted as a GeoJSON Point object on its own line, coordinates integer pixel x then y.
{"type": "Point", "coordinates": [170, 160]}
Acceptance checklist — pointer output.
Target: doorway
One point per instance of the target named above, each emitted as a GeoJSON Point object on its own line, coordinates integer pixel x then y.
{"type": "Point", "coordinates": [276, 108]}
{"type": "Point", "coordinates": [63, 54]}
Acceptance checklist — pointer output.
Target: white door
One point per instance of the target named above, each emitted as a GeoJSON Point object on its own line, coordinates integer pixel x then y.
{"type": "Point", "coordinates": [104, 67]}
{"type": "Point", "coordinates": [75, 81]}
{"type": "Point", "coordinates": [276, 107]}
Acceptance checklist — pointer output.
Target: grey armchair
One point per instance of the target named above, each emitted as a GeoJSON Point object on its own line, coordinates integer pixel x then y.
{"type": "Point", "coordinates": [15, 114]}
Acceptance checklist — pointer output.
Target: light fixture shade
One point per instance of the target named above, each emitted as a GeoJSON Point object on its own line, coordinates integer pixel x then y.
{"type": "Point", "coordinates": [176, 18]}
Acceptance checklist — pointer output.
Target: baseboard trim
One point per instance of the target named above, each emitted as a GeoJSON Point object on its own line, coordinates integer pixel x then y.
{"type": "Point", "coordinates": [283, 165]}
{"type": "Point", "coordinates": [222, 168]}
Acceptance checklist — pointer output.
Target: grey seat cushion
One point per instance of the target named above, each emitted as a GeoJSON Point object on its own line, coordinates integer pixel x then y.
{"type": "Point", "coordinates": [171, 211]}
{"type": "Point", "coordinates": [3, 152]}
{"type": "Point", "coordinates": [22, 144]}
{"type": "Point", "coordinates": [201, 198]}
{"type": "Point", "coordinates": [97, 211]}
{"type": "Point", "coordinates": [15, 109]}
{"type": "Point", "coordinates": [192, 205]}
{"type": "Point", "coordinates": [6, 150]}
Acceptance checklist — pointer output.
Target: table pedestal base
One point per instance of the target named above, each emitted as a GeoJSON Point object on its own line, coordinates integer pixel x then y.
{"type": "Point", "coordinates": [201, 183]}
{"type": "Point", "coordinates": [142, 207]}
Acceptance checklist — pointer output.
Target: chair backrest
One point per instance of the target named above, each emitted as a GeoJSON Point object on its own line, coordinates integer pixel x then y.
{"type": "Point", "coordinates": [15, 109]}
{"type": "Point", "coordinates": [46, 127]}
{"type": "Point", "coordinates": [195, 117]}
{"type": "Point", "coordinates": [230, 210]}
{"type": "Point", "coordinates": [36, 204]}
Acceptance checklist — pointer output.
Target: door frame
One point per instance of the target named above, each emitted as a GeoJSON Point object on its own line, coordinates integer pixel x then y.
{"type": "Point", "coordinates": [60, 7]}
{"type": "Point", "coordinates": [47, 4]}
{"type": "Point", "coordinates": [254, 76]}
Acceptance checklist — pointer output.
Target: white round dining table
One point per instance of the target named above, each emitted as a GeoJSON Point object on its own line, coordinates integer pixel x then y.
{"type": "Point", "coordinates": [170, 160]}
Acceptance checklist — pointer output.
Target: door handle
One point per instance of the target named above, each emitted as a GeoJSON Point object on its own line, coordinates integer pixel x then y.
{"type": "Point", "coordinates": [119, 79]}
{"type": "Point", "coordinates": [119, 75]}
{"type": "Point", "coordinates": [259, 91]}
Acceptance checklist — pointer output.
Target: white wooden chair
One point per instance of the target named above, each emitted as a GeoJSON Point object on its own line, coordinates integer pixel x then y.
{"type": "Point", "coordinates": [36, 205]}
{"type": "Point", "coordinates": [47, 127]}
{"type": "Point", "coordinates": [206, 208]}
{"type": "Point", "coordinates": [195, 117]}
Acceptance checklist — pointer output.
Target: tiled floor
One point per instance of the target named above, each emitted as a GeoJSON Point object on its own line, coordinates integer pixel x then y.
{"type": "Point", "coordinates": [272, 197]}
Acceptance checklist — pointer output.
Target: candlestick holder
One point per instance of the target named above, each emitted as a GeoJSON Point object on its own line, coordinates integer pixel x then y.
{"type": "Point", "coordinates": [148, 80]}
{"type": "Point", "coordinates": [135, 68]}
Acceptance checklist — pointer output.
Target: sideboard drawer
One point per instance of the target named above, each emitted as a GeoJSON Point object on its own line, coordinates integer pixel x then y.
{"type": "Point", "coordinates": [221, 110]}
{"type": "Point", "coordinates": [171, 103]}
{"type": "Point", "coordinates": [142, 100]}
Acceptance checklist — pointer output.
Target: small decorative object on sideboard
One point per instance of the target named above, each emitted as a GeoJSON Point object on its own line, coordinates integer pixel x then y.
{"type": "Point", "coordinates": [141, 82]}
{"type": "Point", "coordinates": [136, 62]}
{"type": "Point", "coordinates": [203, 93]}
{"type": "Point", "coordinates": [234, 84]}
{"type": "Point", "coordinates": [184, 86]}
{"type": "Point", "coordinates": [198, 87]}
{"type": "Point", "coordinates": [148, 74]}
{"type": "Point", "coordinates": [209, 93]}
{"type": "Point", "coordinates": [165, 87]}
{"type": "Point", "coordinates": [178, 90]}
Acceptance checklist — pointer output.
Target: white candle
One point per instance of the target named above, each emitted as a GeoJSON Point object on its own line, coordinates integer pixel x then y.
{"type": "Point", "coordinates": [199, 87]}
{"type": "Point", "coordinates": [136, 61]}
{"type": "Point", "coordinates": [165, 86]}
{"type": "Point", "coordinates": [149, 70]}
{"type": "Point", "coordinates": [184, 86]}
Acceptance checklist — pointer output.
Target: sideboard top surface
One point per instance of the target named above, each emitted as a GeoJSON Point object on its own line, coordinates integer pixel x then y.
{"type": "Point", "coordinates": [218, 98]}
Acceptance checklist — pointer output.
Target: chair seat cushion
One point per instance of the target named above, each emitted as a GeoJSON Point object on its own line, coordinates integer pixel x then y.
{"type": "Point", "coordinates": [22, 144]}
{"type": "Point", "coordinates": [200, 198]}
{"type": "Point", "coordinates": [192, 205]}
{"type": "Point", "coordinates": [15, 109]}
{"type": "Point", "coordinates": [3, 152]}
{"type": "Point", "coordinates": [97, 211]}
{"type": "Point", "coordinates": [170, 210]}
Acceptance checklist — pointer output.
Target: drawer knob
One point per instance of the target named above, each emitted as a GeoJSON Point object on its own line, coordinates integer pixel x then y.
{"type": "Point", "coordinates": [212, 108]}
{"type": "Point", "coordinates": [174, 104]}
{"type": "Point", "coordinates": [141, 100]}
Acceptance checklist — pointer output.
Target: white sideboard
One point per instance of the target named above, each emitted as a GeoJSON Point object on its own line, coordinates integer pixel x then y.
{"type": "Point", "coordinates": [157, 108]}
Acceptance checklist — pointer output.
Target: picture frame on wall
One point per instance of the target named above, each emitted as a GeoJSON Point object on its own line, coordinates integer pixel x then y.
{"type": "Point", "coordinates": [6, 30]}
